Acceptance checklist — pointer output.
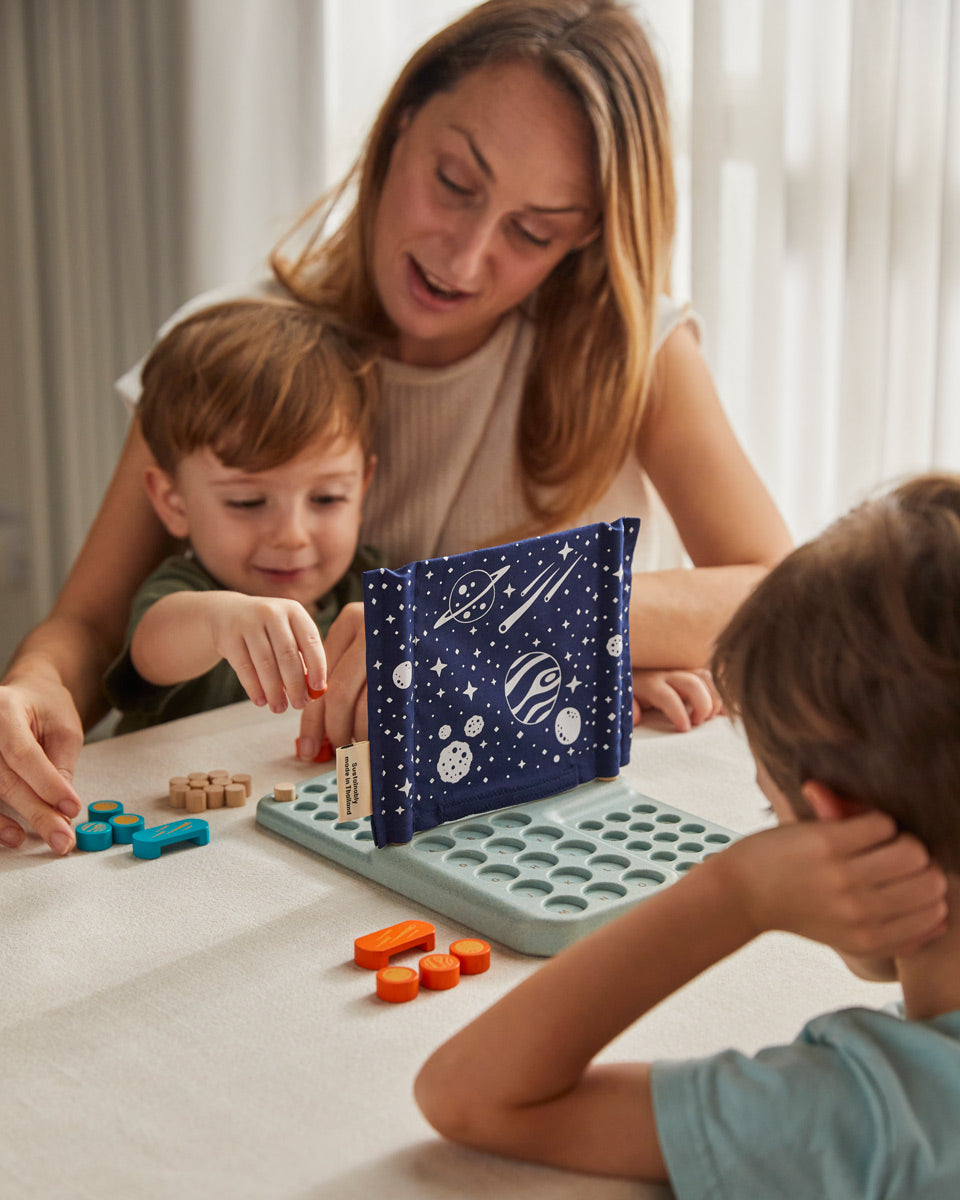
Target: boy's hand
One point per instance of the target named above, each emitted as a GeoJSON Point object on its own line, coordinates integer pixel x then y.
{"type": "Point", "coordinates": [273, 645]}
{"type": "Point", "coordinates": [341, 716]}
{"type": "Point", "coordinates": [686, 698]}
{"type": "Point", "coordinates": [855, 884]}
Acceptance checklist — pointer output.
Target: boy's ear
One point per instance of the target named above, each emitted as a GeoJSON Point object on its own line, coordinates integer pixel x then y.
{"type": "Point", "coordinates": [826, 804]}
{"type": "Point", "coordinates": [166, 500]}
{"type": "Point", "coordinates": [368, 471]}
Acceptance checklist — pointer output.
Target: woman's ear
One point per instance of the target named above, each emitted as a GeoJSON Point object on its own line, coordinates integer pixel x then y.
{"type": "Point", "coordinates": [827, 805]}
{"type": "Point", "coordinates": [167, 501]}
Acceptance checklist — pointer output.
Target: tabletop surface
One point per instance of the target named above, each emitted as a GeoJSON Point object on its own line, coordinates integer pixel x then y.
{"type": "Point", "coordinates": [195, 1026]}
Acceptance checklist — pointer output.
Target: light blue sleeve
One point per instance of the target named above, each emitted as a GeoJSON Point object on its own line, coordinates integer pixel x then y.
{"type": "Point", "coordinates": [863, 1105]}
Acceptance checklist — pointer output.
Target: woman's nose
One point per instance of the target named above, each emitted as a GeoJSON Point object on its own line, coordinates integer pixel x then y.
{"type": "Point", "coordinates": [471, 243]}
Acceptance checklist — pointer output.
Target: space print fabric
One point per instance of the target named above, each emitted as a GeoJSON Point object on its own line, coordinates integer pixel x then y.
{"type": "Point", "coordinates": [497, 677]}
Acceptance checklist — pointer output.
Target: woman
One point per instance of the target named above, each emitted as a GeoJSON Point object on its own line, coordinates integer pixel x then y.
{"type": "Point", "coordinates": [509, 249]}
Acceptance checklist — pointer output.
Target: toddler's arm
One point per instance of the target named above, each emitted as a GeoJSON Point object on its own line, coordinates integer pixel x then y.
{"type": "Point", "coordinates": [273, 645]}
{"type": "Point", "coordinates": [518, 1079]}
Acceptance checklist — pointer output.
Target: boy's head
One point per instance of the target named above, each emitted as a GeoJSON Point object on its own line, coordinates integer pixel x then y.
{"type": "Point", "coordinates": [259, 416]}
{"type": "Point", "coordinates": [844, 664]}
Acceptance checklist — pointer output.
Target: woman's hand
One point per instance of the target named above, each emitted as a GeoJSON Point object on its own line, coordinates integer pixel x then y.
{"type": "Point", "coordinates": [340, 716]}
{"type": "Point", "coordinates": [40, 739]}
{"type": "Point", "coordinates": [686, 698]}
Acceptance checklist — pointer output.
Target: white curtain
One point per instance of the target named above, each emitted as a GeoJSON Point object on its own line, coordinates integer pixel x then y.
{"type": "Point", "coordinates": [150, 150]}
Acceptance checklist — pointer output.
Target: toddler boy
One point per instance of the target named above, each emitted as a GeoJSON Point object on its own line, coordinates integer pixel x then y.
{"type": "Point", "coordinates": [259, 416]}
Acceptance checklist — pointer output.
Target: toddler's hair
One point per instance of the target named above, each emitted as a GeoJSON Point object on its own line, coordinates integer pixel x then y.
{"type": "Point", "coordinates": [844, 664]}
{"type": "Point", "coordinates": [255, 381]}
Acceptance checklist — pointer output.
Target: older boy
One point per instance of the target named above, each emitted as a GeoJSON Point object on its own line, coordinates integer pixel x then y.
{"type": "Point", "coordinates": [844, 666]}
{"type": "Point", "coordinates": [258, 414]}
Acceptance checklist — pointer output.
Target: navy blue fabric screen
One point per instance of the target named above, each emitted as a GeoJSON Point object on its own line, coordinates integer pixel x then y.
{"type": "Point", "coordinates": [498, 676]}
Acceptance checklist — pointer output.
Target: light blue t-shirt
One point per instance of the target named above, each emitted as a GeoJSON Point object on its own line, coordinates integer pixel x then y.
{"type": "Point", "coordinates": [863, 1105]}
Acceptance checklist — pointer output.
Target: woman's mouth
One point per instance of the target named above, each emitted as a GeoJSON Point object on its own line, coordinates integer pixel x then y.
{"type": "Point", "coordinates": [430, 288]}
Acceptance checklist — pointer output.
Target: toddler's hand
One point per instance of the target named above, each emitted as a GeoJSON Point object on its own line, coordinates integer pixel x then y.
{"type": "Point", "coordinates": [686, 698]}
{"type": "Point", "coordinates": [855, 884]}
{"type": "Point", "coordinates": [273, 645]}
{"type": "Point", "coordinates": [341, 716]}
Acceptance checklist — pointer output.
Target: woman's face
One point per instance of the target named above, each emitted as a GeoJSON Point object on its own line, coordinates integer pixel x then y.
{"type": "Point", "coordinates": [489, 186]}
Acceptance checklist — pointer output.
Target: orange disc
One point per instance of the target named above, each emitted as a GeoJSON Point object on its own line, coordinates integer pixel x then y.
{"type": "Point", "coordinates": [439, 971]}
{"type": "Point", "coordinates": [397, 984]}
{"type": "Point", "coordinates": [474, 955]}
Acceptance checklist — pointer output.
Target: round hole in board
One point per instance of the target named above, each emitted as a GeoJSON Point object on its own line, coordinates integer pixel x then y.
{"type": "Point", "coordinates": [510, 820]}
{"type": "Point", "coordinates": [614, 835]}
{"type": "Point", "coordinates": [365, 835]}
{"type": "Point", "coordinates": [692, 827]}
{"type": "Point", "coordinates": [642, 826]}
{"type": "Point", "coordinates": [644, 879]}
{"type": "Point", "coordinates": [644, 808]}
{"type": "Point", "coordinates": [685, 866]}
{"type": "Point", "coordinates": [303, 806]}
{"type": "Point", "coordinates": [538, 860]}
{"type": "Point", "coordinates": [465, 858]}
{"type": "Point", "coordinates": [571, 876]}
{"type": "Point", "coordinates": [317, 788]}
{"type": "Point", "coordinates": [605, 891]}
{"type": "Point", "coordinates": [717, 839]}
{"type": "Point", "coordinates": [575, 849]}
{"type": "Point", "coordinates": [473, 833]}
{"type": "Point", "coordinates": [608, 863]}
{"type": "Point", "coordinates": [543, 833]}
{"type": "Point", "coordinates": [324, 816]}
{"type": "Point", "coordinates": [667, 818]}
{"type": "Point", "coordinates": [533, 889]}
{"type": "Point", "coordinates": [347, 825]}
{"type": "Point", "coordinates": [618, 816]}
{"type": "Point", "coordinates": [690, 847]}
{"type": "Point", "coordinates": [590, 825]}
{"type": "Point", "coordinates": [638, 845]}
{"type": "Point", "coordinates": [498, 873]}
{"type": "Point", "coordinates": [663, 856]}
{"type": "Point", "coordinates": [433, 844]}
{"type": "Point", "coordinates": [565, 906]}
{"type": "Point", "coordinates": [504, 845]}
{"type": "Point", "coordinates": [666, 837]}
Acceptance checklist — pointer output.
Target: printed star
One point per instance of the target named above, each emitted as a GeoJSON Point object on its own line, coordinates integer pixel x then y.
{"type": "Point", "coordinates": [521, 764]}
{"type": "Point", "coordinates": [567, 549]}
{"type": "Point", "coordinates": [508, 590]}
{"type": "Point", "coordinates": [440, 692]}
{"type": "Point", "coordinates": [399, 736]}
{"type": "Point", "coordinates": [429, 575]}
{"type": "Point", "coordinates": [566, 624]}
{"type": "Point", "coordinates": [378, 665]}
{"type": "Point", "coordinates": [618, 573]}
{"type": "Point", "coordinates": [574, 684]}
{"type": "Point", "coordinates": [439, 666]}
{"type": "Point", "coordinates": [469, 691]}
{"type": "Point", "coordinates": [406, 788]}
{"type": "Point", "coordinates": [392, 618]}
{"type": "Point", "coordinates": [400, 810]}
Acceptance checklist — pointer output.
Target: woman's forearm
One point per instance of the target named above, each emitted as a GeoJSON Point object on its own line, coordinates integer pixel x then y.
{"type": "Point", "coordinates": [676, 615]}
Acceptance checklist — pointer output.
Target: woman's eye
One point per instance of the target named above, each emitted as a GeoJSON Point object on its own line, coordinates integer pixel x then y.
{"type": "Point", "coordinates": [451, 186]}
{"type": "Point", "coordinates": [541, 242]}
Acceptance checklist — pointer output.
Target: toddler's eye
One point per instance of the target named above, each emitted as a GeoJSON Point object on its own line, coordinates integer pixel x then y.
{"type": "Point", "coordinates": [328, 499]}
{"type": "Point", "coordinates": [244, 504]}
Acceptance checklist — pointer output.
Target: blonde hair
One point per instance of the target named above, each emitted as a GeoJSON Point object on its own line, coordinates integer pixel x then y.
{"type": "Point", "coordinates": [844, 663]}
{"type": "Point", "coordinates": [595, 315]}
{"type": "Point", "coordinates": [255, 381]}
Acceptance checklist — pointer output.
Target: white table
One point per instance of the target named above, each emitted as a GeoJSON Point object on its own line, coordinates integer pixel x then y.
{"type": "Point", "coordinates": [195, 1026]}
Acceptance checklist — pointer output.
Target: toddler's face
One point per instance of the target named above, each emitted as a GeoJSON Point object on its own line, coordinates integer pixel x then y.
{"type": "Point", "coordinates": [288, 532]}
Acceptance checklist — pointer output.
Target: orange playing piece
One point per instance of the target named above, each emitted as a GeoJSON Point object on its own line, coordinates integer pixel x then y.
{"type": "Point", "coordinates": [373, 950]}
{"type": "Point", "coordinates": [439, 971]}
{"type": "Point", "coordinates": [473, 953]}
{"type": "Point", "coordinates": [397, 984]}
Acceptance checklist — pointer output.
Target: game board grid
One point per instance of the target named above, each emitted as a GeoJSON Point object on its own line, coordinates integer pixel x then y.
{"type": "Point", "coordinates": [535, 877]}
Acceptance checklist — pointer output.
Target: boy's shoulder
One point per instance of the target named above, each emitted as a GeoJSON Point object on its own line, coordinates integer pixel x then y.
{"type": "Point", "coordinates": [178, 572]}
{"type": "Point", "coordinates": [871, 1091]}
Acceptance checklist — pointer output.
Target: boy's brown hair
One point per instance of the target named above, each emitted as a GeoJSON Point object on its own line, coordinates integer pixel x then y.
{"type": "Point", "coordinates": [844, 664]}
{"type": "Point", "coordinates": [255, 381]}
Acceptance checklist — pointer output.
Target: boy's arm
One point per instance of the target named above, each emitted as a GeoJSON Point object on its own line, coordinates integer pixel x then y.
{"type": "Point", "coordinates": [273, 644]}
{"type": "Point", "coordinates": [518, 1080]}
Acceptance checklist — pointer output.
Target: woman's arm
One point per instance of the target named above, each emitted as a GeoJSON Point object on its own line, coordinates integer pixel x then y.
{"type": "Point", "coordinates": [52, 683]}
{"type": "Point", "coordinates": [727, 520]}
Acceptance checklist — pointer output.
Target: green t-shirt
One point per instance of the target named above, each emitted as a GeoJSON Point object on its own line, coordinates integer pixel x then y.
{"type": "Point", "coordinates": [143, 704]}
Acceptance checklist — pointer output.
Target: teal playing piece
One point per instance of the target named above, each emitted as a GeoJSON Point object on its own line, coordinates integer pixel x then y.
{"type": "Point", "coordinates": [103, 810]}
{"type": "Point", "coordinates": [147, 843]}
{"type": "Point", "coordinates": [94, 835]}
{"type": "Point", "coordinates": [534, 877]}
{"type": "Point", "coordinates": [124, 826]}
